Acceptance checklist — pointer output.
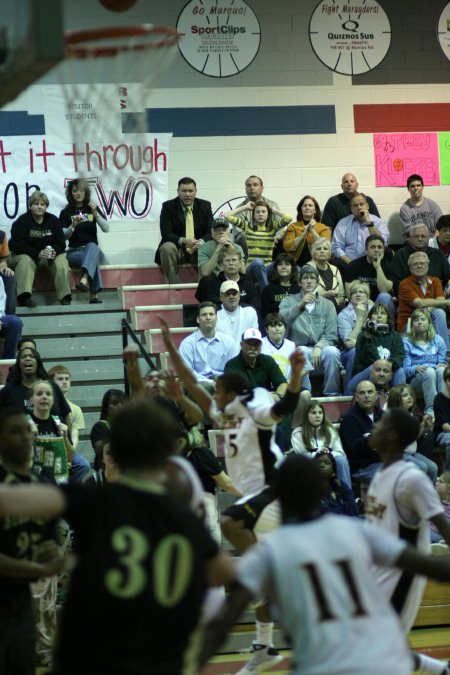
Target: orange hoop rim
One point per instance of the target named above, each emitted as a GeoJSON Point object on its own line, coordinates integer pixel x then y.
{"type": "Point", "coordinates": [77, 41]}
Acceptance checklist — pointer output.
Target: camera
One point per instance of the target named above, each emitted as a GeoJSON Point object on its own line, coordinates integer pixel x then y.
{"type": "Point", "coordinates": [376, 328]}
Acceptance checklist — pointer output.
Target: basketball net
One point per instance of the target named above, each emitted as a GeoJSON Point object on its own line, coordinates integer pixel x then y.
{"type": "Point", "coordinates": [101, 61]}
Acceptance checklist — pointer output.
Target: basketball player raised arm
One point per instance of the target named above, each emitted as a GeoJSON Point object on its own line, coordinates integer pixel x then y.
{"type": "Point", "coordinates": [282, 407]}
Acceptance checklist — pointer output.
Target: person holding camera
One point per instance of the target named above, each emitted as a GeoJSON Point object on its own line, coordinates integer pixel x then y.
{"type": "Point", "coordinates": [377, 340]}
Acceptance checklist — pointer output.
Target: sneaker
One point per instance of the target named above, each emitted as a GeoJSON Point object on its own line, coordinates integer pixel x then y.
{"type": "Point", "coordinates": [263, 657]}
{"type": "Point", "coordinates": [67, 299]}
{"type": "Point", "coordinates": [440, 549]}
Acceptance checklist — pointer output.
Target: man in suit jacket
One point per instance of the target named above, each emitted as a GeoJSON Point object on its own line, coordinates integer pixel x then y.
{"type": "Point", "coordinates": [185, 224]}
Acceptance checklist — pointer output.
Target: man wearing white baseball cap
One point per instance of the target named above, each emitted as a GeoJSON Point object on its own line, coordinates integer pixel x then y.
{"type": "Point", "coordinates": [260, 370]}
{"type": "Point", "coordinates": [232, 319]}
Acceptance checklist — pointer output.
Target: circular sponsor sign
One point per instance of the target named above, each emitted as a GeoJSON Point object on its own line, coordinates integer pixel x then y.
{"type": "Point", "coordinates": [350, 38]}
{"type": "Point", "coordinates": [443, 30]}
{"type": "Point", "coordinates": [220, 38]}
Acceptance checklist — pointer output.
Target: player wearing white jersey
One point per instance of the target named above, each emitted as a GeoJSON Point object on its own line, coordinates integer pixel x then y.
{"type": "Point", "coordinates": [254, 429]}
{"type": "Point", "coordinates": [251, 456]}
{"type": "Point", "coordinates": [401, 500]}
{"type": "Point", "coordinates": [316, 571]}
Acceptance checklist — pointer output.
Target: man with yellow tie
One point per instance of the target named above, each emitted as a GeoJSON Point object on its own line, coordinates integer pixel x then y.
{"type": "Point", "coordinates": [185, 224]}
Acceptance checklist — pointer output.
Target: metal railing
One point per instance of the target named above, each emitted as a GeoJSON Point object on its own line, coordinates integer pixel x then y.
{"type": "Point", "coordinates": [128, 332]}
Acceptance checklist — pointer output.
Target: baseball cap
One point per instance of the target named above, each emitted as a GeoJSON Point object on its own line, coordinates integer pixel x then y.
{"type": "Point", "coordinates": [308, 269]}
{"type": "Point", "coordinates": [252, 334]}
{"type": "Point", "coordinates": [220, 222]}
{"type": "Point", "coordinates": [228, 286]}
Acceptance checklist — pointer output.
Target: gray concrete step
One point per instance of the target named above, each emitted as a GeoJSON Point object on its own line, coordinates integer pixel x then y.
{"type": "Point", "coordinates": [57, 348]}
{"type": "Point", "coordinates": [90, 418]}
{"type": "Point", "coordinates": [71, 323]}
{"type": "Point", "coordinates": [90, 396]}
{"type": "Point", "coordinates": [47, 303]}
{"type": "Point", "coordinates": [89, 370]}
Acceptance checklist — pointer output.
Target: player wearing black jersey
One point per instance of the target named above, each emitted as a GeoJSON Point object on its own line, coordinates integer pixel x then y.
{"type": "Point", "coordinates": [28, 550]}
{"type": "Point", "coordinates": [144, 561]}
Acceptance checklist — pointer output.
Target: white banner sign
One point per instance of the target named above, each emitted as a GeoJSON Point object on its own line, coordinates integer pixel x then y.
{"type": "Point", "coordinates": [128, 180]}
{"type": "Point", "coordinates": [127, 172]}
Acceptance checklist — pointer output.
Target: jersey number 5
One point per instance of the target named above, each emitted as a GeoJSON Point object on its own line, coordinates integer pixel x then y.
{"type": "Point", "coordinates": [172, 566]}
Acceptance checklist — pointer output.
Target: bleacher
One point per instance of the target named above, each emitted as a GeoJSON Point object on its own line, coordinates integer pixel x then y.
{"type": "Point", "coordinates": [87, 339]}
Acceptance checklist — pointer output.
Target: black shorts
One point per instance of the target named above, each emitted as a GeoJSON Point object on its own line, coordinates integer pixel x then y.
{"type": "Point", "coordinates": [249, 509]}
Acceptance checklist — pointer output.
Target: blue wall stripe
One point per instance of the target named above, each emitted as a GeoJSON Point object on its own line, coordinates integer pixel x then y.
{"type": "Point", "coordinates": [239, 121]}
{"type": "Point", "coordinates": [20, 123]}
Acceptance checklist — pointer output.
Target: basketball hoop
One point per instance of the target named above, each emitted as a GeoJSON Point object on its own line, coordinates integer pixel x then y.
{"type": "Point", "coordinates": [127, 60]}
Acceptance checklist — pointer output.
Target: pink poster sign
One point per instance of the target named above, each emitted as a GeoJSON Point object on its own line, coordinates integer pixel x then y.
{"type": "Point", "coordinates": [397, 156]}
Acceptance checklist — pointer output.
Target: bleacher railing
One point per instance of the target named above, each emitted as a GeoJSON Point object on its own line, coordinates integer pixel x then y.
{"type": "Point", "coordinates": [128, 332]}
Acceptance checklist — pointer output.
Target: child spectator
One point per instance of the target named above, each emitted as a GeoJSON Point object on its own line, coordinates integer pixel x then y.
{"type": "Point", "coordinates": [443, 490]}
{"type": "Point", "coordinates": [53, 450]}
{"type": "Point", "coordinates": [425, 358]}
{"type": "Point", "coordinates": [403, 396]}
{"type": "Point", "coordinates": [316, 433]}
{"type": "Point", "coordinates": [261, 233]}
{"type": "Point", "coordinates": [275, 344]}
{"type": "Point", "coordinates": [61, 376]}
{"type": "Point", "coordinates": [339, 496]}
{"type": "Point", "coordinates": [112, 399]}
{"type": "Point", "coordinates": [442, 417]}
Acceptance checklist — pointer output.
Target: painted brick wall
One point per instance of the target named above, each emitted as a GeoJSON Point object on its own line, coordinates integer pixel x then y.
{"type": "Point", "coordinates": [285, 73]}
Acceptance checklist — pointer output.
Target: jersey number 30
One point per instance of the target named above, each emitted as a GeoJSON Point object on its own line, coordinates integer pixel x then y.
{"type": "Point", "coordinates": [172, 566]}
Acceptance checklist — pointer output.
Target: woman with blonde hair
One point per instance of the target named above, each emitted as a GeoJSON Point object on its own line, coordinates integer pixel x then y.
{"type": "Point", "coordinates": [330, 284]}
{"type": "Point", "coordinates": [350, 322]}
{"type": "Point", "coordinates": [425, 358]}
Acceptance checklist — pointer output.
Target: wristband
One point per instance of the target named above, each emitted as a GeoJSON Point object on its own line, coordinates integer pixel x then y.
{"type": "Point", "coordinates": [287, 404]}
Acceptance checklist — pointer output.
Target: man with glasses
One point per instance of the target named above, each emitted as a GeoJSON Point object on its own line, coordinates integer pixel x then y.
{"type": "Point", "coordinates": [419, 237]}
{"type": "Point", "coordinates": [230, 262]}
{"type": "Point", "coordinates": [233, 319]}
{"type": "Point", "coordinates": [424, 291]}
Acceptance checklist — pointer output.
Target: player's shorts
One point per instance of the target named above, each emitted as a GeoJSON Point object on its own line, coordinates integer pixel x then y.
{"type": "Point", "coordinates": [249, 509]}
